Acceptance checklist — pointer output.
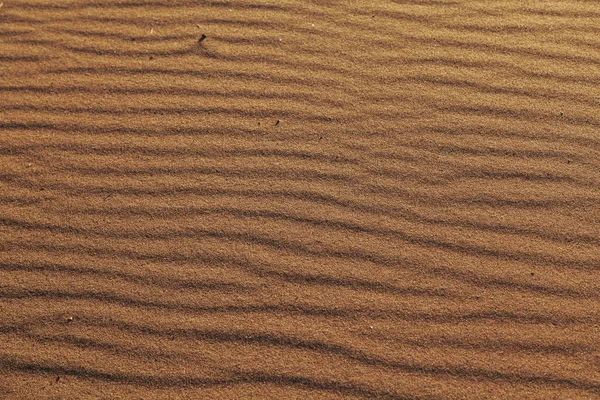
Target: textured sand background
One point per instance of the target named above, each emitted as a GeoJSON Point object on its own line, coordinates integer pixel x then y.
{"type": "Point", "coordinates": [423, 222]}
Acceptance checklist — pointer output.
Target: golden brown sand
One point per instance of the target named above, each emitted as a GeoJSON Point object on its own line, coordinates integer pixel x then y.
{"type": "Point", "coordinates": [395, 199]}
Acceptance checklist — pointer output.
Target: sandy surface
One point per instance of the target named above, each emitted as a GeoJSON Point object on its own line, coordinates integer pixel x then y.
{"type": "Point", "coordinates": [322, 199]}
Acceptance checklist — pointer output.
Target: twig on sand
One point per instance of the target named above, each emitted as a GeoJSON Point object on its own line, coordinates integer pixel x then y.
{"type": "Point", "coordinates": [201, 38]}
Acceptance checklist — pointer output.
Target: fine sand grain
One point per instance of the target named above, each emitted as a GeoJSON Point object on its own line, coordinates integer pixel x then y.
{"type": "Point", "coordinates": [391, 199]}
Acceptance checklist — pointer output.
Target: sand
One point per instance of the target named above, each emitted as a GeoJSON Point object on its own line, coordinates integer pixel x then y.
{"type": "Point", "coordinates": [320, 199]}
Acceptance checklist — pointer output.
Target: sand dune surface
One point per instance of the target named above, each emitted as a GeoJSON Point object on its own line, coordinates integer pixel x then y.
{"type": "Point", "coordinates": [390, 199]}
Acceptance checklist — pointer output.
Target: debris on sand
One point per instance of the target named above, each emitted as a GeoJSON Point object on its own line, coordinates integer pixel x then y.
{"type": "Point", "coordinates": [201, 38]}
